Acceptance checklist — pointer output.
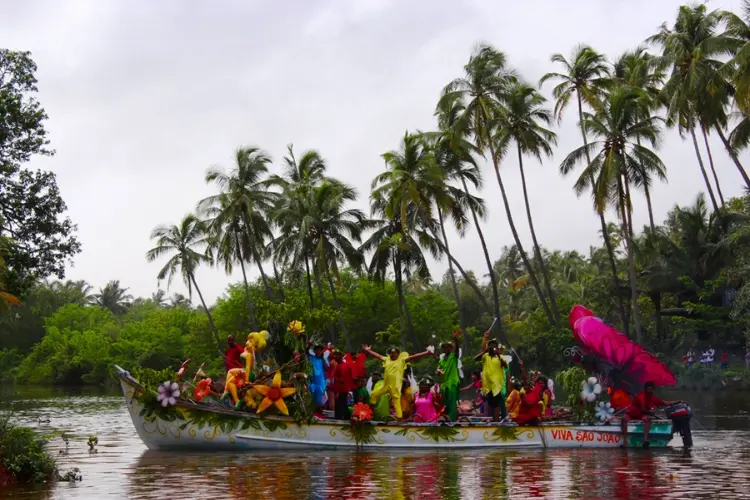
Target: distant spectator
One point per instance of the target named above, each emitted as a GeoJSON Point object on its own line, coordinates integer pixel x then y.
{"type": "Point", "coordinates": [691, 356]}
{"type": "Point", "coordinates": [724, 361]}
{"type": "Point", "coordinates": [685, 360]}
{"type": "Point", "coordinates": [711, 354]}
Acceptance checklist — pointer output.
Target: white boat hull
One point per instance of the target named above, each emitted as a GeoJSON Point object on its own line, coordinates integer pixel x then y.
{"type": "Point", "coordinates": [192, 427]}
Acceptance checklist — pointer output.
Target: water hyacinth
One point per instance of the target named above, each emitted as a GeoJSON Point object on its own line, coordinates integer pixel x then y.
{"type": "Point", "coordinates": [168, 393]}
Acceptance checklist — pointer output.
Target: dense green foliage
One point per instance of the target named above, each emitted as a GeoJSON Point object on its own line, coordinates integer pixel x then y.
{"type": "Point", "coordinates": [23, 454]}
{"type": "Point", "coordinates": [354, 278]}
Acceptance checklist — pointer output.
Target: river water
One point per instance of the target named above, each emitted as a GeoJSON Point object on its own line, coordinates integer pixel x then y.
{"type": "Point", "coordinates": [717, 467]}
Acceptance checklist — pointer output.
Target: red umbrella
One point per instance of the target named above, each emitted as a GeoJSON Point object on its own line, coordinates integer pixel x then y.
{"type": "Point", "coordinates": [619, 360]}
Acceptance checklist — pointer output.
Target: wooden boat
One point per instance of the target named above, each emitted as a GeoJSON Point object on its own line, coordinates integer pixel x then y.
{"type": "Point", "coordinates": [188, 425]}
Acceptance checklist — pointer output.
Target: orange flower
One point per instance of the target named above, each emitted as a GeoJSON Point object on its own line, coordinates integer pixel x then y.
{"type": "Point", "coordinates": [274, 395]}
{"type": "Point", "coordinates": [361, 412]}
{"type": "Point", "coordinates": [620, 399]}
{"type": "Point", "coordinates": [202, 390]}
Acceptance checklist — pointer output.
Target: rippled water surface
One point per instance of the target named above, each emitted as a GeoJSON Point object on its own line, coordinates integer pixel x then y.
{"type": "Point", "coordinates": [718, 467]}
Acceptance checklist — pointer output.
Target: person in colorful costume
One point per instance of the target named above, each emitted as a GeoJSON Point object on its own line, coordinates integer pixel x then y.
{"type": "Point", "coordinates": [232, 354]}
{"type": "Point", "coordinates": [319, 361]}
{"type": "Point", "coordinates": [357, 360]}
{"type": "Point", "coordinates": [449, 379]}
{"type": "Point", "coordinates": [493, 377]}
{"type": "Point", "coordinates": [530, 410]}
{"type": "Point", "coordinates": [425, 403]}
{"type": "Point", "coordinates": [341, 385]}
{"type": "Point", "coordinates": [394, 366]}
{"type": "Point", "coordinates": [640, 409]}
{"type": "Point", "coordinates": [513, 402]}
{"type": "Point", "coordinates": [382, 405]}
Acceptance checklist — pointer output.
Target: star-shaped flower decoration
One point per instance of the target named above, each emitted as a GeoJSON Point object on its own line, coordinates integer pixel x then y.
{"type": "Point", "coordinates": [274, 394]}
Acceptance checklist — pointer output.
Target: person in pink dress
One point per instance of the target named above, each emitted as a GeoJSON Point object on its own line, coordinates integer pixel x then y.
{"type": "Point", "coordinates": [426, 403]}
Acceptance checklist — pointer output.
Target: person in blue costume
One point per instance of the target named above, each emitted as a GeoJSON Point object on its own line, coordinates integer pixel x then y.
{"type": "Point", "coordinates": [319, 362]}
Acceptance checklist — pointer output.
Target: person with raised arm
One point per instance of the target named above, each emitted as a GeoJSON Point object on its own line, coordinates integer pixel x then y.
{"type": "Point", "coordinates": [449, 380]}
{"type": "Point", "coordinates": [493, 376]}
{"type": "Point", "coordinates": [394, 366]}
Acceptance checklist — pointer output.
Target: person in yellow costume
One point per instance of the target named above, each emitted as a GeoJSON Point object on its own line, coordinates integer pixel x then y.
{"type": "Point", "coordinates": [394, 366]}
{"type": "Point", "coordinates": [493, 378]}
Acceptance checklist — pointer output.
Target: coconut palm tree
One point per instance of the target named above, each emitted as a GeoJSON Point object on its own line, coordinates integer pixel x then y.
{"type": "Point", "coordinates": [114, 297]}
{"type": "Point", "coordinates": [618, 163]}
{"type": "Point", "coordinates": [637, 69]}
{"type": "Point", "coordinates": [159, 298]}
{"type": "Point", "coordinates": [485, 77]}
{"type": "Point", "coordinates": [73, 292]}
{"type": "Point", "coordinates": [185, 245]}
{"type": "Point", "coordinates": [585, 75]}
{"type": "Point", "coordinates": [689, 51]}
{"type": "Point", "coordinates": [522, 120]}
{"type": "Point", "coordinates": [242, 205]}
{"type": "Point", "coordinates": [179, 300]}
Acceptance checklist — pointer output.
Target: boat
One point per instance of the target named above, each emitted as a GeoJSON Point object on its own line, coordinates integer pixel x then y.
{"type": "Point", "coordinates": [198, 426]}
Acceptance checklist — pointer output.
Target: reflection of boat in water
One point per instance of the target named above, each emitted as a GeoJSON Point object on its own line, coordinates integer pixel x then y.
{"type": "Point", "coordinates": [196, 426]}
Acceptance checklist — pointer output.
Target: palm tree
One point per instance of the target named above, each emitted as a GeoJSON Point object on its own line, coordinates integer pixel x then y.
{"type": "Point", "coordinates": [637, 69]}
{"type": "Point", "coordinates": [114, 297]}
{"type": "Point", "coordinates": [484, 77]}
{"type": "Point", "coordinates": [619, 162]}
{"type": "Point", "coordinates": [73, 292]}
{"type": "Point", "coordinates": [179, 300]}
{"type": "Point", "coordinates": [454, 152]}
{"type": "Point", "coordinates": [159, 298]}
{"type": "Point", "coordinates": [185, 245]}
{"type": "Point", "coordinates": [585, 76]}
{"type": "Point", "coordinates": [688, 51]}
{"type": "Point", "coordinates": [521, 120]}
{"type": "Point", "coordinates": [414, 179]}
{"type": "Point", "coordinates": [242, 205]}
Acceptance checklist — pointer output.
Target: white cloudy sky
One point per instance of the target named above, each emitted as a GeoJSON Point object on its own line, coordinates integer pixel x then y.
{"type": "Point", "coordinates": [143, 96]}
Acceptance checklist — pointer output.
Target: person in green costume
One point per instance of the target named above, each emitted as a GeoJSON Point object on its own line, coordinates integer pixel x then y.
{"type": "Point", "coordinates": [381, 409]}
{"type": "Point", "coordinates": [449, 380]}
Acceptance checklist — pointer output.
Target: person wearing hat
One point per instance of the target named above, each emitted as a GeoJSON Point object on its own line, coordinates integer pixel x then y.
{"type": "Point", "coordinates": [493, 377]}
{"type": "Point", "coordinates": [449, 379]}
{"type": "Point", "coordinates": [425, 403]}
{"type": "Point", "coordinates": [394, 366]}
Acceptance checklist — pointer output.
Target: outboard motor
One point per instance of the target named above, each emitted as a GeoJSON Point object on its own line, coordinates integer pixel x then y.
{"type": "Point", "coordinates": [680, 414]}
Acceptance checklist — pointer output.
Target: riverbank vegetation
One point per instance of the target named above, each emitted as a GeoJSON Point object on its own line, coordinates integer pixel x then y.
{"type": "Point", "coordinates": [23, 455]}
{"type": "Point", "coordinates": [354, 267]}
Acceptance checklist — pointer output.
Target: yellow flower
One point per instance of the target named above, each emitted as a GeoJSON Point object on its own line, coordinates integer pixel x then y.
{"type": "Point", "coordinates": [274, 395]}
{"type": "Point", "coordinates": [296, 327]}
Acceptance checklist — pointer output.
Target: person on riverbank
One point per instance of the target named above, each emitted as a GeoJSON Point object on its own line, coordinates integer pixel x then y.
{"type": "Point", "coordinates": [449, 380]}
{"type": "Point", "coordinates": [724, 361]}
{"type": "Point", "coordinates": [233, 354]}
{"type": "Point", "coordinates": [317, 387]}
{"type": "Point", "coordinates": [426, 404]}
{"type": "Point", "coordinates": [641, 409]}
{"type": "Point", "coordinates": [394, 367]}
{"type": "Point", "coordinates": [493, 378]}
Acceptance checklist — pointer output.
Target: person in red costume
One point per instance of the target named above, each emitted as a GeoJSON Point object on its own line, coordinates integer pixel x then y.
{"type": "Point", "coordinates": [530, 411]}
{"type": "Point", "coordinates": [357, 360]}
{"type": "Point", "coordinates": [640, 409]}
{"type": "Point", "coordinates": [232, 358]}
{"type": "Point", "coordinates": [343, 383]}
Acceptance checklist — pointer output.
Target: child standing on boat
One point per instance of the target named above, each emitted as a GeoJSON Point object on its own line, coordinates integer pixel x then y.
{"type": "Point", "coordinates": [449, 380]}
{"type": "Point", "coordinates": [394, 366]}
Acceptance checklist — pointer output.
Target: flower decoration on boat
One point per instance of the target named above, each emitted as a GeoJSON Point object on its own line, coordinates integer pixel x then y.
{"type": "Point", "coordinates": [604, 411]}
{"type": "Point", "coordinates": [168, 393]}
{"type": "Point", "coordinates": [250, 399]}
{"type": "Point", "coordinates": [182, 369]}
{"type": "Point", "coordinates": [202, 389]}
{"type": "Point", "coordinates": [361, 412]}
{"type": "Point", "coordinates": [274, 394]}
{"type": "Point", "coordinates": [620, 399]}
{"type": "Point", "coordinates": [590, 389]}
{"type": "Point", "coordinates": [431, 348]}
{"type": "Point", "coordinates": [296, 327]}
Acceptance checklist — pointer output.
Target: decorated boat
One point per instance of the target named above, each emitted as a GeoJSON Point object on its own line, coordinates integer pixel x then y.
{"type": "Point", "coordinates": [188, 424]}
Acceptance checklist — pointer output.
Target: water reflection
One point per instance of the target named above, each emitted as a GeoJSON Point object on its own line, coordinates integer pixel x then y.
{"type": "Point", "coordinates": [716, 468]}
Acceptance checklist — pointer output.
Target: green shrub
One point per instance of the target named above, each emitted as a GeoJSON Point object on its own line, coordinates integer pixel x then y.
{"type": "Point", "coordinates": [23, 454]}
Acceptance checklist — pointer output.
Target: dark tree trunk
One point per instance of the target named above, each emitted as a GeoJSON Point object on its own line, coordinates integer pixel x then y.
{"type": "Point", "coordinates": [248, 299]}
{"type": "Point", "coordinates": [605, 233]}
{"type": "Point", "coordinates": [537, 249]}
{"type": "Point", "coordinates": [691, 127]}
{"type": "Point", "coordinates": [624, 214]}
{"type": "Point", "coordinates": [734, 157]}
{"type": "Point", "coordinates": [453, 279]}
{"type": "Point", "coordinates": [711, 164]}
{"type": "Point", "coordinates": [656, 300]}
{"type": "Point", "coordinates": [521, 251]}
{"type": "Point", "coordinates": [493, 278]}
{"type": "Point", "coordinates": [309, 281]}
{"type": "Point", "coordinates": [278, 281]}
{"type": "Point", "coordinates": [337, 305]}
{"type": "Point", "coordinates": [208, 313]}
{"type": "Point", "coordinates": [648, 200]}
{"type": "Point", "coordinates": [403, 306]}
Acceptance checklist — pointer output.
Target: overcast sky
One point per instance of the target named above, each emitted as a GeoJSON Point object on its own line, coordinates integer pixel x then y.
{"type": "Point", "coordinates": [143, 96]}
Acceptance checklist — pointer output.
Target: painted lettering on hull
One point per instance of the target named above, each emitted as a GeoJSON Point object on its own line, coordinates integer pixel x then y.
{"type": "Point", "coordinates": [585, 436]}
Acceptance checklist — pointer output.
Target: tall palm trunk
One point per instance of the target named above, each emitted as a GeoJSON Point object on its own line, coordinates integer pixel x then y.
{"type": "Point", "coordinates": [337, 306]}
{"type": "Point", "coordinates": [309, 282]}
{"type": "Point", "coordinates": [403, 306]}
{"type": "Point", "coordinates": [521, 251]}
{"type": "Point", "coordinates": [656, 300]}
{"type": "Point", "coordinates": [711, 164]}
{"type": "Point", "coordinates": [605, 232]}
{"type": "Point", "coordinates": [266, 285]}
{"type": "Point", "coordinates": [316, 274]}
{"type": "Point", "coordinates": [537, 249]}
{"type": "Point", "coordinates": [461, 318]}
{"type": "Point", "coordinates": [278, 280]}
{"type": "Point", "coordinates": [691, 127]}
{"type": "Point", "coordinates": [735, 159]}
{"type": "Point", "coordinates": [648, 199]}
{"type": "Point", "coordinates": [208, 313]}
{"type": "Point", "coordinates": [493, 278]}
{"type": "Point", "coordinates": [248, 299]}
{"type": "Point", "coordinates": [624, 206]}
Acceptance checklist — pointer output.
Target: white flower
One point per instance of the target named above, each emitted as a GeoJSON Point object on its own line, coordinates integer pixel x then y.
{"type": "Point", "coordinates": [168, 393]}
{"type": "Point", "coordinates": [604, 411]}
{"type": "Point", "coordinates": [590, 389]}
{"type": "Point", "coordinates": [431, 348]}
